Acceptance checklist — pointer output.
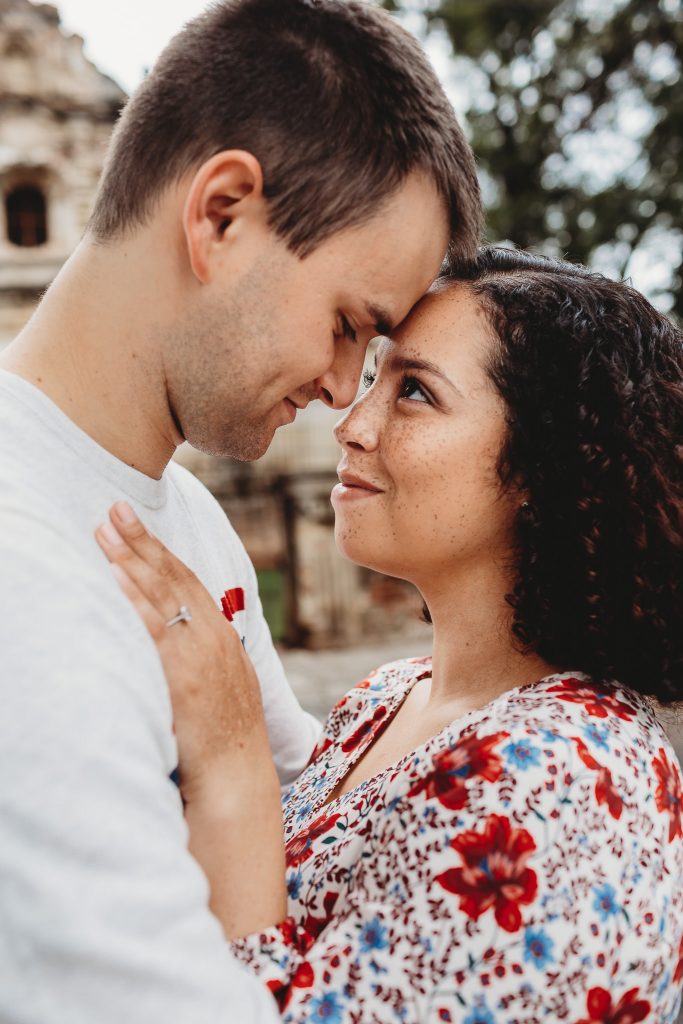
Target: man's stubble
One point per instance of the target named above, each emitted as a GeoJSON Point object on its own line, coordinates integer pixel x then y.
{"type": "Point", "coordinates": [221, 362]}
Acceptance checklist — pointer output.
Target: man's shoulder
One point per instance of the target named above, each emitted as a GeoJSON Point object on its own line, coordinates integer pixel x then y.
{"type": "Point", "coordinates": [204, 509]}
{"type": "Point", "coordinates": [66, 628]}
{"type": "Point", "coordinates": [196, 495]}
{"type": "Point", "coordinates": [55, 583]}
{"type": "Point", "coordinates": [30, 533]}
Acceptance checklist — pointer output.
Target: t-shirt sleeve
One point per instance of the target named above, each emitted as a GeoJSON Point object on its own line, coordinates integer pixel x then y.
{"type": "Point", "coordinates": [104, 912]}
{"type": "Point", "coordinates": [490, 881]}
{"type": "Point", "coordinates": [293, 732]}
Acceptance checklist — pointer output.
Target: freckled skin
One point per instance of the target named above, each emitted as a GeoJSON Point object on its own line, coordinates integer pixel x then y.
{"type": "Point", "coordinates": [428, 439]}
{"type": "Point", "coordinates": [431, 449]}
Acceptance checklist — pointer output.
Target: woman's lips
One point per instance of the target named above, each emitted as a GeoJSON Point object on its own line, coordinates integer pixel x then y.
{"type": "Point", "coordinates": [352, 488]}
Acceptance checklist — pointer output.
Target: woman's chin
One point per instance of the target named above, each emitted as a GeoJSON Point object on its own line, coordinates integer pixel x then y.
{"type": "Point", "coordinates": [363, 552]}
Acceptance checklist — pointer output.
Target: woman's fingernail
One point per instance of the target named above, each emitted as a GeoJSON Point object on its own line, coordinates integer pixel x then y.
{"type": "Point", "coordinates": [125, 512]}
{"type": "Point", "coordinates": [111, 534]}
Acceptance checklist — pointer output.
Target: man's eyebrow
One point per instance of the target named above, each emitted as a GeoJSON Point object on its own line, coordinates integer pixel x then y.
{"type": "Point", "coordinates": [382, 320]}
{"type": "Point", "coordinates": [404, 364]}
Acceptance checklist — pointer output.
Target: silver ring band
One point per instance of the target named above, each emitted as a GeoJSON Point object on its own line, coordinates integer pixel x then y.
{"type": "Point", "coordinates": [182, 616]}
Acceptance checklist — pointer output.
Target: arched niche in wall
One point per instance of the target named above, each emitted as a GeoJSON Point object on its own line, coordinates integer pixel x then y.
{"type": "Point", "coordinates": [26, 214]}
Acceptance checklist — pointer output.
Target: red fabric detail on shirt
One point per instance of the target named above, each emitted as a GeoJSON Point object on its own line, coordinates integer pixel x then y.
{"type": "Point", "coordinates": [232, 602]}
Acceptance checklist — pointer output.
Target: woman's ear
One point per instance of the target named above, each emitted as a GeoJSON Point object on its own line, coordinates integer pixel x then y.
{"type": "Point", "coordinates": [226, 187]}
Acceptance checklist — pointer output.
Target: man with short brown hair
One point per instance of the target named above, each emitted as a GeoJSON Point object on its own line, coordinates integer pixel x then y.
{"type": "Point", "coordinates": [282, 187]}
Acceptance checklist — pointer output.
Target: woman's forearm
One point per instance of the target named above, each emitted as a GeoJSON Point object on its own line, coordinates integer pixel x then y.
{"type": "Point", "coordinates": [235, 822]}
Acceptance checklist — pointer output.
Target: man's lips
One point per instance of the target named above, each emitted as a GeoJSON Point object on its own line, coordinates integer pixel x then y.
{"type": "Point", "coordinates": [291, 409]}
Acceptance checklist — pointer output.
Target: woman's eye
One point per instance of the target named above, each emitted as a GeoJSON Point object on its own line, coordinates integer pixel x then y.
{"type": "Point", "coordinates": [369, 378]}
{"type": "Point", "coordinates": [413, 390]}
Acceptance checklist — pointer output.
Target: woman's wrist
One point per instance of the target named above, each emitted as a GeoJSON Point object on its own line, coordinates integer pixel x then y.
{"type": "Point", "coordinates": [234, 816]}
{"type": "Point", "coordinates": [240, 775]}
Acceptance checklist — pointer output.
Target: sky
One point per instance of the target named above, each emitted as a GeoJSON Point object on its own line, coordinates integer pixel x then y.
{"type": "Point", "coordinates": [124, 38]}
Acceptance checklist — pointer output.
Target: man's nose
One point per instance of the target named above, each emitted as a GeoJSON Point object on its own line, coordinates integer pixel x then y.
{"type": "Point", "coordinates": [338, 386]}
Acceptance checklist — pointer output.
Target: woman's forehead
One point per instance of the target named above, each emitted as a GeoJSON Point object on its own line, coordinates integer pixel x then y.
{"type": "Point", "coordinates": [447, 328]}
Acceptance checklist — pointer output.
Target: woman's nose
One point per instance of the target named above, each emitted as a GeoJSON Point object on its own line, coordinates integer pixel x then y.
{"type": "Point", "coordinates": [358, 428]}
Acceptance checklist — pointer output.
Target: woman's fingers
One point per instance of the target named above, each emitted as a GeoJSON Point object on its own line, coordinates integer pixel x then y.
{"type": "Point", "coordinates": [153, 620]}
{"type": "Point", "coordinates": [158, 589]}
{"type": "Point", "coordinates": [144, 544]}
{"type": "Point", "coordinates": [163, 579]}
{"type": "Point", "coordinates": [166, 583]}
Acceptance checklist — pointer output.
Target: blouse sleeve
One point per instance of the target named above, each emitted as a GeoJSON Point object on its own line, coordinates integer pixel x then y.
{"type": "Point", "coordinates": [337, 975]}
{"type": "Point", "coordinates": [494, 876]}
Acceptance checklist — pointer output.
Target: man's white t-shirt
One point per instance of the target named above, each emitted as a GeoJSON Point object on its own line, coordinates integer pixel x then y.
{"type": "Point", "coordinates": [104, 914]}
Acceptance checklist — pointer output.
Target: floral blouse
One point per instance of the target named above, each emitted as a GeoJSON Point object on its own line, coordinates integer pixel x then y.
{"type": "Point", "coordinates": [523, 865]}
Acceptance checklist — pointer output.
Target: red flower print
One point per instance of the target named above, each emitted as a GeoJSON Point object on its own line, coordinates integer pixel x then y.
{"type": "Point", "coordinates": [628, 1010]}
{"type": "Point", "coordinates": [367, 728]}
{"type": "Point", "coordinates": [232, 602]}
{"type": "Point", "coordinates": [472, 757]}
{"type": "Point", "coordinates": [678, 973]}
{"type": "Point", "coordinates": [494, 872]}
{"type": "Point", "coordinates": [303, 977]}
{"type": "Point", "coordinates": [598, 702]}
{"type": "Point", "coordinates": [315, 925]}
{"type": "Point", "coordinates": [607, 793]}
{"type": "Point", "coordinates": [605, 790]}
{"type": "Point", "coordinates": [324, 745]}
{"type": "Point", "coordinates": [668, 795]}
{"type": "Point", "coordinates": [300, 847]}
{"type": "Point", "coordinates": [586, 755]}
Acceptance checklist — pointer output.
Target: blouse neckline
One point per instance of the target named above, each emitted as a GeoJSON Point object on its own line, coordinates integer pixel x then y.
{"type": "Point", "coordinates": [393, 703]}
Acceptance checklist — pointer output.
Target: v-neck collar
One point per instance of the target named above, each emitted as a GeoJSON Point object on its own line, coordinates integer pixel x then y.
{"type": "Point", "coordinates": [341, 763]}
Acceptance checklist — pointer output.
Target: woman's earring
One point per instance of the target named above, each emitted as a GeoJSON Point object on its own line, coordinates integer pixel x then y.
{"type": "Point", "coordinates": [525, 506]}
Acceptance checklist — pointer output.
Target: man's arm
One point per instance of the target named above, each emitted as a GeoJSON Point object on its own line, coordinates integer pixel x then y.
{"type": "Point", "coordinates": [104, 912]}
{"type": "Point", "coordinates": [293, 732]}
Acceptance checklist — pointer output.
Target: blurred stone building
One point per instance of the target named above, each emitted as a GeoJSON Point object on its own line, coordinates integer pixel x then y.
{"type": "Point", "coordinates": [56, 114]}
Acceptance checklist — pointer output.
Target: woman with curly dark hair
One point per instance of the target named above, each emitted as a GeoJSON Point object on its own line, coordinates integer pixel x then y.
{"type": "Point", "coordinates": [491, 835]}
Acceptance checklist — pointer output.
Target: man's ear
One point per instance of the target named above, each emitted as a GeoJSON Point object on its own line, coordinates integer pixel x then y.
{"type": "Point", "coordinates": [228, 187]}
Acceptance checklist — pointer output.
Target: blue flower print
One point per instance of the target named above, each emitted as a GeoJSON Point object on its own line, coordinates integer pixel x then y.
{"type": "Point", "coordinates": [326, 1008]}
{"type": "Point", "coordinates": [480, 1016]}
{"type": "Point", "coordinates": [594, 734]}
{"type": "Point", "coordinates": [294, 881]}
{"type": "Point", "coordinates": [538, 947]}
{"type": "Point", "coordinates": [664, 984]}
{"type": "Point", "coordinates": [522, 754]}
{"type": "Point", "coordinates": [373, 936]}
{"type": "Point", "coordinates": [604, 901]}
{"type": "Point", "coordinates": [303, 810]}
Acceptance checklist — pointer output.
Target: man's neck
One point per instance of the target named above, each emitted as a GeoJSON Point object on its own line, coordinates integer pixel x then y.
{"type": "Point", "coordinates": [93, 346]}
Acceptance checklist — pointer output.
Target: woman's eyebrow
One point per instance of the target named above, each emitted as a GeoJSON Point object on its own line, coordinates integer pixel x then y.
{"type": "Point", "coordinates": [403, 364]}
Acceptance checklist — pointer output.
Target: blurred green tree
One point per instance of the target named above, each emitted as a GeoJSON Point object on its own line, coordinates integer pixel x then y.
{"type": "Point", "coordinates": [575, 112]}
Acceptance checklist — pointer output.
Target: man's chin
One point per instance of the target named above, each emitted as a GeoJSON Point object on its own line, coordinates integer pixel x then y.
{"type": "Point", "coordinates": [242, 445]}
